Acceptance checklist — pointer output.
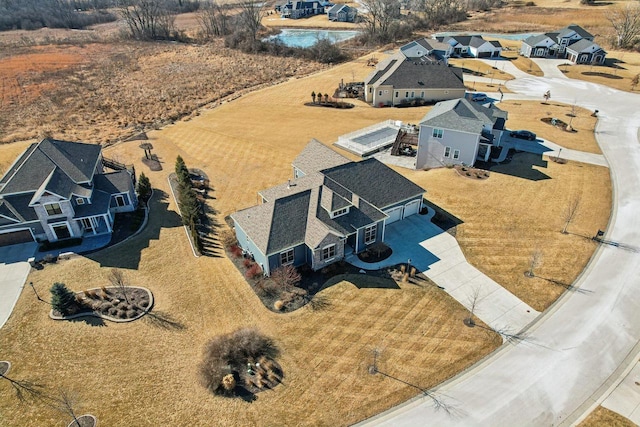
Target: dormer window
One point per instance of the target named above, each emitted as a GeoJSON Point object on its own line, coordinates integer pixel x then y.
{"type": "Point", "coordinates": [53, 209]}
{"type": "Point", "coordinates": [340, 212]}
{"type": "Point", "coordinates": [79, 201]}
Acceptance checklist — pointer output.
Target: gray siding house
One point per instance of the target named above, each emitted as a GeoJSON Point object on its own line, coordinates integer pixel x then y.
{"type": "Point", "coordinates": [401, 80]}
{"type": "Point", "coordinates": [472, 46]}
{"type": "Point", "coordinates": [427, 47]}
{"type": "Point", "coordinates": [342, 13]}
{"type": "Point", "coordinates": [296, 9]}
{"type": "Point", "coordinates": [571, 42]}
{"type": "Point", "coordinates": [57, 190]}
{"type": "Point", "coordinates": [331, 208]}
{"type": "Point", "coordinates": [458, 132]}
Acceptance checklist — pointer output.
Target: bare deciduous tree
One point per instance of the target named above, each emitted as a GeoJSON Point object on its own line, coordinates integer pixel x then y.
{"type": "Point", "coordinates": [474, 299]}
{"type": "Point", "coordinates": [570, 212]}
{"type": "Point", "coordinates": [380, 14]}
{"type": "Point", "coordinates": [439, 12]}
{"type": "Point", "coordinates": [534, 262]}
{"type": "Point", "coordinates": [626, 24]}
{"type": "Point", "coordinates": [213, 19]}
{"type": "Point", "coordinates": [119, 280]}
{"type": "Point", "coordinates": [635, 81]}
{"type": "Point", "coordinates": [148, 19]}
{"type": "Point", "coordinates": [250, 17]}
{"type": "Point", "coordinates": [286, 277]}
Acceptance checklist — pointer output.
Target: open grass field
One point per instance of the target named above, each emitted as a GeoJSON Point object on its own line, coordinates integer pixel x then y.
{"type": "Point", "coordinates": [602, 416]}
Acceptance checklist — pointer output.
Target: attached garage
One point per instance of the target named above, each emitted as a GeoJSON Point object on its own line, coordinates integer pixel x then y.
{"type": "Point", "coordinates": [411, 208]}
{"type": "Point", "coordinates": [395, 214]}
{"type": "Point", "coordinates": [484, 54]}
{"type": "Point", "coordinates": [15, 237]}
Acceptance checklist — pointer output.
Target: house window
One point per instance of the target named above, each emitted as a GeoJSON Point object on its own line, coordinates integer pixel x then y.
{"type": "Point", "coordinates": [80, 201]}
{"type": "Point", "coordinates": [447, 151]}
{"type": "Point", "coordinates": [340, 212]}
{"type": "Point", "coordinates": [406, 94]}
{"type": "Point", "coordinates": [456, 154]}
{"type": "Point", "coordinates": [286, 257]}
{"type": "Point", "coordinates": [53, 209]}
{"type": "Point", "coordinates": [397, 94]}
{"type": "Point", "coordinates": [379, 93]}
{"type": "Point", "coordinates": [370, 234]}
{"type": "Point", "coordinates": [61, 231]}
{"type": "Point", "coordinates": [86, 224]}
{"type": "Point", "coordinates": [437, 133]}
{"type": "Point", "coordinates": [329, 252]}
{"type": "Point", "coordinates": [412, 94]}
{"type": "Point", "coordinates": [422, 94]}
{"type": "Point", "coordinates": [120, 201]}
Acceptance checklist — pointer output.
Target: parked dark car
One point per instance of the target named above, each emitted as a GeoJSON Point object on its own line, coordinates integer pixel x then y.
{"type": "Point", "coordinates": [523, 134]}
{"type": "Point", "coordinates": [479, 97]}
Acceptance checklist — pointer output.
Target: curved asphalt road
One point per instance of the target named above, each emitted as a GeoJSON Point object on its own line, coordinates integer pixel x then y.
{"type": "Point", "coordinates": [580, 345]}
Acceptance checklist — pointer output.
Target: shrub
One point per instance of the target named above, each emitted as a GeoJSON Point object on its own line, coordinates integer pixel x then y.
{"type": "Point", "coordinates": [253, 271]}
{"type": "Point", "coordinates": [112, 311]}
{"type": "Point", "coordinates": [278, 305]}
{"type": "Point", "coordinates": [236, 251]}
{"type": "Point", "coordinates": [62, 299]}
{"type": "Point", "coordinates": [122, 314]}
{"type": "Point", "coordinates": [247, 262]}
{"type": "Point", "coordinates": [131, 314]}
{"type": "Point", "coordinates": [229, 382]}
{"type": "Point", "coordinates": [232, 352]}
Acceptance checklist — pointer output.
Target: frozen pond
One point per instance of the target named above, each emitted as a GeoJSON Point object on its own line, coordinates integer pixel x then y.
{"type": "Point", "coordinates": [307, 38]}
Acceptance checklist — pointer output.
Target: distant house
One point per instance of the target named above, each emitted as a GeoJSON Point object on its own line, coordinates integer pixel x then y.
{"type": "Point", "coordinates": [400, 80]}
{"type": "Point", "coordinates": [342, 13]}
{"type": "Point", "coordinates": [331, 208]}
{"type": "Point", "coordinates": [296, 9]}
{"type": "Point", "coordinates": [58, 189]}
{"type": "Point", "coordinates": [458, 131]}
{"type": "Point", "coordinates": [572, 42]}
{"type": "Point", "coordinates": [427, 47]}
{"type": "Point", "coordinates": [472, 46]}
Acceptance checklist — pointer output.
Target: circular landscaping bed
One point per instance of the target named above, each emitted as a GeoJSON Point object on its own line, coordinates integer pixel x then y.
{"type": "Point", "coordinates": [86, 420]}
{"type": "Point", "coordinates": [4, 367]}
{"type": "Point", "coordinates": [472, 173]}
{"type": "Point", "coordinates": [116, 304]}
{"type": "Point", "coordinates": [555, 122]}
{"type": "Point", "coordinates": [339, 105]}
{"type": "Point", "coordinates": [375, 253]}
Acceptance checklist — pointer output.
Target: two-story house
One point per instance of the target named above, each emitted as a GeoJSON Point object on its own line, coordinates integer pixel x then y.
{"type": "Point", "coordinates": [458, 131]}
{"type": "Point", "coordinates": [571, 42]}
{"type": "Point", "coordinates": [342, 13]}
{"type": "Point", "coordinates": [58, 189]}
{"type": "Point", "coordinates": [331, 208]}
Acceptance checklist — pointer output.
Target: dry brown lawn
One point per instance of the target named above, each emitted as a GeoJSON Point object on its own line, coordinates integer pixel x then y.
{"type": "Point", "coordinates": [602, 417]}
{"type": "Point", "coordinates": [510, 51]}
{"type": "Point", "coordinates": [140, 374]}
{"type": "Point", "coordinates": [527, 115]}
{"type": "Point", "coordinates": [319, 21]}
{"type": "Point", "coordinates": [621, 68]}
{"type": "Point", "coordinates": [486, 70]}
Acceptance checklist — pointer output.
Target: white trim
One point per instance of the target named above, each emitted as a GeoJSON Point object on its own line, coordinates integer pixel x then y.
{"type": "Point", "coordinates": [286, 252]}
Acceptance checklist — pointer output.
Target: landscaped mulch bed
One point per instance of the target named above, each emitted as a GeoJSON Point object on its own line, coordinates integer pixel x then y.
{"type": "Point", "coordinates": [111, 303]}
{"type": "Point", "coordinates": [339, 105]}
{"type": "Point", "coordinates": [375, 253]}
{"type": "Point", "coordinates": [557, 123]}
{"type": "Point", "coordinates": [86, 420]}
{"type": "Point", "coordinates": [4, 367]}
{"type": "Point", "coordinates": [472, 173]}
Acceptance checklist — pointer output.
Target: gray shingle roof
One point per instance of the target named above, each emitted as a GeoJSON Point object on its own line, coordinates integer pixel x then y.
{"type": "Point", "coordinates": [414, 74]}
{"type": "Point", "coordinates": [376, 75]}
{"type": "Point", "coordinates": [374, 182]}
{"type": "Point", "coordinates": [317, 156]}
{"type": "Point", "coordinates": [74, 162]}
{"type": "Point", "coordinates": [462, 114]}
{"type": "Point", "coordinates": [584, 45]}
{"type": "Point", "coordinates": [578, 29]}
{"type": "Point", "coordinates": [113, 183]}
{"type": "Point", "coordinates": [99, 205]}
{"type": "Point", "coordinates": [19, 204]}
{"type": "Point", "coordinates": [534, 40]}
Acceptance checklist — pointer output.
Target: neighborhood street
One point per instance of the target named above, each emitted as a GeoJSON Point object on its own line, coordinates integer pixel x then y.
{"type": "Point", "coordinates": [576, 353]}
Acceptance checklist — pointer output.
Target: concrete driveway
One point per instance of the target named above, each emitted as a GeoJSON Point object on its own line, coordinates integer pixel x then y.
{"type": "Point", "coordinates": [438, 255]}
{"type": "Point", "coordinates": [14, 270]}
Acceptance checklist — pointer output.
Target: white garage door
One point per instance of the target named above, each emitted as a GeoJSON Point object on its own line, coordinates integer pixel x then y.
{"type": "Point", "coordinates": [395, 214]}
{"type": "Point", "coordinates": [411, 208]}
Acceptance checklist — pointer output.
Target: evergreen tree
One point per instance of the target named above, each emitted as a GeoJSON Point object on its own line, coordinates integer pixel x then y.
{"type": "Point", "coordinates": [182, 172]}
{"type": "Point", "coordinates": [144, 188]}
{"type": "Point", "coordinates": [62, 299]}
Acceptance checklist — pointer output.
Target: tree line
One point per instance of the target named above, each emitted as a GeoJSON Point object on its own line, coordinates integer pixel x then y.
{"type": "Point", "coordinates": [35, 14]}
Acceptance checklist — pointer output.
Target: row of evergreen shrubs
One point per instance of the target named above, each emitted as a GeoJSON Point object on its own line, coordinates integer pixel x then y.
{"type": "Point", "coordinates": [190, 207]}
